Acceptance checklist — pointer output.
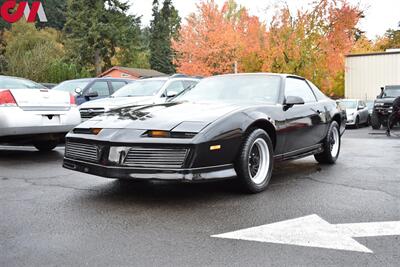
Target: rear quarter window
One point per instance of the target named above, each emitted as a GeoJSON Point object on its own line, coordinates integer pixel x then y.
{"type": "Point", "coordinates": [317, 92]}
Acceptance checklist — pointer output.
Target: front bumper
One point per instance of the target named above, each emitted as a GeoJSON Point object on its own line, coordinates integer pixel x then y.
{"type": "Point", "coordinates": [117, 172]}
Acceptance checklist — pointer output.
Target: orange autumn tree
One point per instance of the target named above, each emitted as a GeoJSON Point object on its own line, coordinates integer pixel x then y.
{"type": "Point", "coordinates": [214, 38]}
{"type": "Point", "coordinates": [313, 43]}
{"type": "Point", "coordinates": [310, 43]}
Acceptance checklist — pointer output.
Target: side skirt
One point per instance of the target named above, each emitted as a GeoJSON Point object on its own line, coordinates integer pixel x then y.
{"type": "Point", "coordinates": [301, 153]}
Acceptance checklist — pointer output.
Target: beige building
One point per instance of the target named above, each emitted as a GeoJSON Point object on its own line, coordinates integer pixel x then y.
{"type": "Point", "coordinates": [367, 73]}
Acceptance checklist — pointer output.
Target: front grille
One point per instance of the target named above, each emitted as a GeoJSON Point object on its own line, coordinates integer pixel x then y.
{"type": "Point", "coordinates": [169, 158]}
{"type": "Point", "coordinates": [91, 112]}
{"type": "Point", "coordinates": [81, 151]}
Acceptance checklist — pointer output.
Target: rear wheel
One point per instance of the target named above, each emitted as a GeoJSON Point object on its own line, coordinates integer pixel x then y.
{"type": "Point", "coordinates": [46, 146]}
{"type": "Point", "coordinates": [331, 146]}
{"type": "Point", "coordinates": [255, 162]}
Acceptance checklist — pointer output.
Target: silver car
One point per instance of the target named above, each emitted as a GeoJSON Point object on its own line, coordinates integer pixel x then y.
{"type": "Point", "coordinates": [32, 114]}
{"type": "Point", "coordinates": [141, 92]}
{"type": "Point", "coordinates": [357, 112]}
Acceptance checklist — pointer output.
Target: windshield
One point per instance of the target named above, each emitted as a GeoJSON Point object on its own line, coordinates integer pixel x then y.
{"type": "Point", "coordinates": [391, 92]}
{"type": "Point", "coordinates": [349, 104]}
{"type": "Point", "coordinates": [70, 86]}
{"type": "Point", "coordinates": [239, 88]}
{"type": "Point", "coordinates": [16, 83]}
{"type": "Point", "coordinates": [140, 88]}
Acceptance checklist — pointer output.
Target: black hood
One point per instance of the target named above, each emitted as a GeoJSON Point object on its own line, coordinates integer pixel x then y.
{"type": "Point", "coordinates": [388, 100]}
{"type": "Point", "coordinates": [161, 117]}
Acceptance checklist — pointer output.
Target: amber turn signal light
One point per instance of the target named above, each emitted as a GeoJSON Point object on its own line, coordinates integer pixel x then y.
{"type": "Point", "coordinates": [159, 134]}
{"type": "Point", "coordinates": [95, 131]}
{"type": "Point", "coordinates": [216, 147]}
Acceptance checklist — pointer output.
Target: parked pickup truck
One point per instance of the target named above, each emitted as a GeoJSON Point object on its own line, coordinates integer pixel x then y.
{"type": "Point", "coordinates": [383, 105]}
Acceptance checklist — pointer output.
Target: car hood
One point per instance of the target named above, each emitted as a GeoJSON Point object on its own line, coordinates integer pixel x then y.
{"type": "Point", "coordinates": [116, 102]}
{"type": "Point", "coordinates": [388, 100]}
{"type": "Point", "coordinates": [178, 116]}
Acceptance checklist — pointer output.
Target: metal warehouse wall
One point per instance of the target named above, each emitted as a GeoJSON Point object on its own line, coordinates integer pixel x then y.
{"type": "Point", "coordinates": [367, 73]}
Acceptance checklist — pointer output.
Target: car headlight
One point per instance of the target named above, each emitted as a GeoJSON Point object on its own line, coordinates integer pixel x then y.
{"type": "Point", "coordinates": [379, 104]}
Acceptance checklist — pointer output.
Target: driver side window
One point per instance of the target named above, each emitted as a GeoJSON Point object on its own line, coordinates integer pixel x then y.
{"type": "Point", "coordinates": [299, 87]}
{"type": "Point", "coordinates": [101, 88]}
{"type": "Point", "coordinates": [176, 86]}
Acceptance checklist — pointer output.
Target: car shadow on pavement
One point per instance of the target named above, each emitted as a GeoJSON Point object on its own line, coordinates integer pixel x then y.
{"type": "Point", "coordinates": [27, 154]}
{"type": "Point", "coordinates": [150, 193]}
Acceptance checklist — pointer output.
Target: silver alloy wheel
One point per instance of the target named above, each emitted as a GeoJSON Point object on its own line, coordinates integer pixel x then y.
{"type": "Point", "coordinates": [259, 161]}
{"type": "Point", "coordinates": [335, 142]}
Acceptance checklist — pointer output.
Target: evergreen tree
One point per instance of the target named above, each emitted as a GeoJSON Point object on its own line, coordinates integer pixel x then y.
{"type": "Point", "coordinates": [164, 26]}
{"type": "Point", "coordinates": [95, 30]}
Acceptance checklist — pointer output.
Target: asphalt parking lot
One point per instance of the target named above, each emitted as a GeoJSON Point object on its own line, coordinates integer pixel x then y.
{"type": "Point", "coordinates": [50, 216]}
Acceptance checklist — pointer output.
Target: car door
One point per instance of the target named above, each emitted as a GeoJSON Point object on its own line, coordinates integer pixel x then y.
{"type": "Point", "coordinates": [304, 125]}
{"type": "Point", "coordinates": [363, 111]}
{"type": "Point", "coordinates": [99, 89]}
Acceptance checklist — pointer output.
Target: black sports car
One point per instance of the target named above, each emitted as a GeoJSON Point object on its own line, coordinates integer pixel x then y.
{"type": "Point", "coordinates": [227, 126]}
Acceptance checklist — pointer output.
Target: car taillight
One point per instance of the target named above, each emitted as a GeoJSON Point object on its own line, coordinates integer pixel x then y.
{"type": "Point", "coordinates": [72, 100]}
{"type": "Point", "coordinates": [7, 99]}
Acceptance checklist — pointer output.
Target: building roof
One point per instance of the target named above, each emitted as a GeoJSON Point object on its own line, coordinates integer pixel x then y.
{"type": "Point", "coordinates": [374, 54]}
{"type": "Point", "coordinates": [141, 73]}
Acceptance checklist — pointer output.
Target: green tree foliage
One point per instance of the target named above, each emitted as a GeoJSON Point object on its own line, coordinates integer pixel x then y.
{"type": "Point", "coordinates": [164, 27]}
{"type": "Point", "coordinates": [96, 29]}
{"type": "Point", "coordinates": [393, 39]}
{"type": "Point", "coordinates": [60, 71]}
{"type": "Point", "coordinates": [31, 52]}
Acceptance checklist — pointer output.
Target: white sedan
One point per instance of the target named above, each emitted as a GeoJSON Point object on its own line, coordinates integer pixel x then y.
{"type": "Point", "coordinates": [32, 114]}
{"type": "Point", "coordinates": [141, 92]}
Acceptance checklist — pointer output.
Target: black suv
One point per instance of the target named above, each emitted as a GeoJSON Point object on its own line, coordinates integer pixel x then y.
{"type": "Point", "coordinates": [383, 105]}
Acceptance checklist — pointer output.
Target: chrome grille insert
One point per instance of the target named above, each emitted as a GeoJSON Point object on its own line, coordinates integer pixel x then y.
{"type": "Point", "coordinates": [91, 112]}
{"type": "Point", "coordinates": [169, 158]}
{"type": "Point", "coordinates": [81, 151]}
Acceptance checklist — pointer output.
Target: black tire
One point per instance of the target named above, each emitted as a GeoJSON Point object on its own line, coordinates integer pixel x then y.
{"type": "Point", "coordinates": [329, 155]}
{"type": "Point", "coordinates": [368, 123]}
{"type": "Point", "coordinates": [46, 146]}
{"type": "Point", "coordinates": [256, 140]}
{"type": "Point", "coordinates": [357, 123]}
{"type": "Point", "coordinates": [375, 123]}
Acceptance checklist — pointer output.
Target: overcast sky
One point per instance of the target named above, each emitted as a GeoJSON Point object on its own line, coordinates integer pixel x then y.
{"type": "Point", "coordinates": [380, 15]}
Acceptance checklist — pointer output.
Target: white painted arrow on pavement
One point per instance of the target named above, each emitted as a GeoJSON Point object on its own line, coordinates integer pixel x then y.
{"type": "Point", "coordinates": [313, 231]}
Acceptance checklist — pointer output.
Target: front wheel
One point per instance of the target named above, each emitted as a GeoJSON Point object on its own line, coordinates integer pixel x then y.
{"type": "Point", "coordinates": [255, 162]}
{"type": "Point", "coordinates": [46, 146]}
{"type": "Point", "coordinates": [375, 122]}
{"type": "Point", "coordinates": [357, 123]}
{"type": "Point", "coordinates": [331, 146]}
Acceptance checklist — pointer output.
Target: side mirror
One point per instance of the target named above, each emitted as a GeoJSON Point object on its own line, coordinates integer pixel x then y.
{"type": "Point", "coordinates": [92, 94]}
{"type": "Point", "coordinates": [292, 101]}
{"type": "Point", "coordinates": [171, 94]}
{"type": "Point", "coordinates": [78, 91]}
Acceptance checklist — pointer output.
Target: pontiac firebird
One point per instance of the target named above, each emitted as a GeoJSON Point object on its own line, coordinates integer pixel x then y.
{"type": "Point", "coordinates": [228, 126]}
